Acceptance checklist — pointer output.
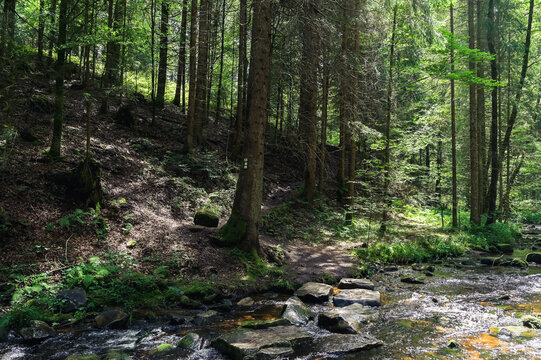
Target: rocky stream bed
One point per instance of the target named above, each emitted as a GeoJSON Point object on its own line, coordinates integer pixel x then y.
{"type": "Point", "coordinates": [467, 308]}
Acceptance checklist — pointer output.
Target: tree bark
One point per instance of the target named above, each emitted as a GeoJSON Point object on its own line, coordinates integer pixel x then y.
{"type": "Point", "coordinates": [323, 137]}
{"type": "Point", "coordinates": [41, 30]}
{"type": "Point", "coordinates": [308, 95]}
{"type": "Point", "coordinates": [59, 85]}
{"type": "Point", "coordinates": [180, 91]}
{"type": "Point", "coordinates": [202, 70]}
{"type": "Point", "coordinates": [162, 66]}
{"type": "Point", "coordinates": [8, 28]}
{"type": "Point", "coordinates": [242, 228]}
{"type": "Point", "coordinates": [190, 120]}
{"type": "Point", "coordinates": [243, 25]}
{"type": "Point", "coordinates": [453, 127]}
{"type": "Point", "coordinates": [221, 72]}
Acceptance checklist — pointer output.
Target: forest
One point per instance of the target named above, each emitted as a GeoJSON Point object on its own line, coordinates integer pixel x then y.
{"type": "Point", "coordinates": [270, 179]}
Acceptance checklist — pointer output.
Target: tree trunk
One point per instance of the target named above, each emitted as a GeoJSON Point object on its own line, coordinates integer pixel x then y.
{"type": "Point", "coordinates": [475, 215]}
{"type": "Point", "coordinates": [242, 228]}
{"type": "Point", "coordinates": [221, 73]}
{"type": "Point", "coordinates": [481, 121]}
{"type": "Point", "coordinates": [453, 128]}
{"type": "Point", "coordinates": [162, 67]}
{"type": "Point", "coordinates": [387, 131]}
{"type": "Point", "coordinates": [181, 68]}
{"type": "Point", "coordinates": [41, 30]}
{"type": "Point", "coordinates": [8, 28]}
{"type": "Point", "coordinates": [308, 96]}
{"type": "Point", "coordinates": [59, 86]}
{"type": "Point", "coordinates": [237, 142]}
{"type": "Point", "coordinates": [323, 137]}
{"type": "Point", "coordinates": [52, 13]}
{"type": "Point", "coordinates": [202, 70]}
{"type": "Point", "coordinates": [341, 175]}
{"type": "Point", "coordinates": [190, 120]}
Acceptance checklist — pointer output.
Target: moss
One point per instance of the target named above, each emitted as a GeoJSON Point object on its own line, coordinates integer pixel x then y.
{"type": "Point", "coordinates": [165, 347]}
{"type": "Point", "coordinates": [233, 231]}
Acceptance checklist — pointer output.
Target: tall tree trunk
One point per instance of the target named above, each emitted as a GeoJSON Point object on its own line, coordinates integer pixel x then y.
{"type": "Point", "coordinates": [475, 215]}
{"type": "Point", "coordinates": [453, 126]}
{"type": "Point", "coordinates": [202, 71]}
{"type": "Point", "coordinates": [341, 175]}
{"type": "Point", "coordinates": [324, 110]}
{"type": "Point", "coordinates": [162, 67]}
{"type": "Point", "coordinates": [221, 72]}
{"type": "Point", "coordinates": [8, 28]}
{"type": "Point", "coordinates": [181, 68]}
{"type": "Point", "coordinates": [59, 86]}
{"type": "Point", "coordinates": [52, 13]}
{"type": "Point", "coordinates": [153, 58]}
{"type": "Point", "coordinates": [308, 95]}
{"type": "Point", "coordinates": [190, 120]}
{"type": "Point", "coordinates": [481, 118]}
{"type": "Point", "coordinates": [387, 130]}
{"type": "Point", "coordinates": [495, 170]}
{"type": "Point", "coordinates": [239, 125]}
{"type": "Point", "coordinates": [242, 228]}
{"type": "Point", "coordinates": [41, 30]}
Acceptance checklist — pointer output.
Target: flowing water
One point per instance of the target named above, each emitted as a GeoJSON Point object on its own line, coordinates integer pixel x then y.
{"type": "Point", "coordinates": [460, 303]}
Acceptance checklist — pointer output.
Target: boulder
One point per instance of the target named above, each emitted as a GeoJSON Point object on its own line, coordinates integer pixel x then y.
{"type": "Point", "coordinates": [248, 301]}
{"type": "Point", "coordinates": [125, 115]}
{"type": "Point", "coordinates": [113, 319]}
{"type": "Point", "coordinates": [264, 324]}
{"type": "Point", "coordinates": [531, 321]}
{"type": "Point", "coordinates": [275, 352]}
{"type": "Point", "coordinates": [296, 312]}
{"type": "Point", "coordinates": [505, 248]}
{"type": "Point", "coordinates": [534, 257]}
{"type": "Point", "coordinates": [499, 261]}
{"type": "Point", "coordinates": [340, 344]}
{"type": "Point", "coordinates": [116, 354]}
{"type": "Point", "coordinates": [206, 218]}
{"type": "Point", "coordinates": [513, 332]}
{"type": "Point", "coordinates": [411, 280]}
{"type": "Point", "coordinates": [206, 318]}
{"type": "Point", "coordinates": [356, 284]}
{"type": "Point", "coordinates": [163, 348]}
{"type": "Point", "coordinates": [72, 300]}
{"type": "Point", "coordinates": [247, 343]}
{"type": "Point", "coordinates": [190, 341]}
{"type": "Point", "coordinates": [421, 267]}
{"type": "Point", "coordinates": [314, 292]}
{"type": "Point", "coordinates": [357, 296]}
{"type": "Point", "coordinates": [346, 320]}
{"type": "Point", "coordinates": [37, 331]}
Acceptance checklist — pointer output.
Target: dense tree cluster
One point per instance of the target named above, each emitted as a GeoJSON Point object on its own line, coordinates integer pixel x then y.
{"type": "Point", "coordinates": [436, 102]}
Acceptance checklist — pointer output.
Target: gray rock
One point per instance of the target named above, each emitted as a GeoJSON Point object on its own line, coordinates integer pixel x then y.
{"type": "Point", "coordinates": [340, 344]}
{"type": "Point", "coordinates": [296, 311]}
{"type": "Point", "coordinates": [72, 300]}
{"type": "Point", "coordinates": [356, 284]}
{"type": "Point", "coordinates": [206, 218]}
{"type": "Point", "coordinates": [38, 330]}
{"type": "Point", "coordinates": [206, 318]}
{"type": "Point", "coordinates": [248, 301]}
{"type": "Point", "coordinates": [514, 332]}
{"type": "Point", "coordinates": [534, 257]}
{"type": "Point", "coordinates": [190, 341]}
{"type": "Point", "coordinates": [116, 354]}
{"type": "Point", "coordinates": [357, 296]}
{"type": "Point", "coordinates": [346, 320]}
{"type": "Point", "coordinates": [83, 357]}
{"type": "Point", "coordinates": [113, 319]}
{"type": "Point", "coordinates": [505, 248]}
{"type": "Point", "coordinates": [277, 352]}
{"type": "Point", "coordinates": [3, 333]}
{"type": "Point", "coordinates": [247, 343]}
{"type": "Point", "coordinates": [314, 292]}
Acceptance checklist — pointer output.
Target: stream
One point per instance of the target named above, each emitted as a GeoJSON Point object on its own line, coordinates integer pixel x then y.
{"type": "Point", "coordinates": [464, 304]}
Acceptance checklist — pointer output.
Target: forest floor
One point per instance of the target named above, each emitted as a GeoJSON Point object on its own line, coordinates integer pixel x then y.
{"type": "Point", "coordinates": [152, 192]}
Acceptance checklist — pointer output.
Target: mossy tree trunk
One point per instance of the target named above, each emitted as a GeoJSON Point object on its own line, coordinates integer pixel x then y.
{"type": "Point", "coordinates": [242, 228]}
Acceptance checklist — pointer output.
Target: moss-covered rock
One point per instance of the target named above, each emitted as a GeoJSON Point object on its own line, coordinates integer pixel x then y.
{"type": "Point", "coordinates": [86, 182]}
{"type": "Point", "coordinates": [116, 354]}
{"type": "Point", "coordinates": [83, 357]}
{"type": "Point", "coordinates": [37, 331]}
{"type": "Point", "coordinates": [532, 322]}
{"type": "Point", "coordinates": [534, 257]}
{"type": "Point", "coordinates": [114, 319]}
{"type": "Point", "coordinates": [505, 248]}
{"type": "Point", "coordinates": [190, 341]}
{"type": "Point", "coordinates": [206, 218]}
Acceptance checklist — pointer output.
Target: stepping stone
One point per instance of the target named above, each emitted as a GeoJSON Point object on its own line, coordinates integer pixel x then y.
{"type": "Point", "coordinates": [264, 324]}
{"type": "Point", "coordinates": [243, 343]}
{"type": "Point", "coordinates": [114, 319]}
{"type": "Point", "coordinates": [356, 284]}
{"type": "Point", "coordinates": [314, 292]}
{"type": "Point", "coordinates": [248, 301]}
{"type": "Point", "coordinates": [37, 331]}
{"type": "Point", "coordinates": [357, 296]}
{"type": "Point", "coordinates": [346, 320]}
{"type": "Point", "coordinates": [296, 312]}
{"type": "Point", "coordinates": [411, 280]}
{"type": "Point", "coordinates": [340, 344]}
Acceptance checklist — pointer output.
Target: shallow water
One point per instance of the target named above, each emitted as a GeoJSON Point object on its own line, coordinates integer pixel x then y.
{"type": "Point", "coordinates": [416, 321]}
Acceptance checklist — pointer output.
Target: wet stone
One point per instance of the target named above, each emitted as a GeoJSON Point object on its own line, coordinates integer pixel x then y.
{"type": "Point", "coordinates": [37, 331]}
{"type": "Point", "coordinates": [296, 311]}
{"type": "Point", "coordinates": [248, 343]}
{"type": "Point", "coordinates": [356, 284]}
{"type": "Point", "coordinates": [72, 299]}
{"type": "Point", "coordinates": [411, 280]}
{"type": "Point", "coordinates": [190, 341]}
{"type": "Point", "coordinates": [357, 296]}
{"type": "Point", "coordinates": [116, 354]}
{"type": "Point", "coordinates": [248, 301]}
{"type": "Point", "coordinates": [114, 319]}
{"type": "Point", "coordinates": [278, 352]}
{"type": "Point", "coordinates": [341, 344]}
{"type": "Point", "coordinates": [512, 332]}
{"type": "Point", "coordinates": [346, 320]}
{"type": "Point", "coordinates": [83, 357]}
{"type": "Point", "coordinates": [532, 321]}
{"type": "Point", "coordinates": [206, 318]}
{"type": "Point", "coordinates": [534, 257]}
{"type": "Point", "coordinates": [264, 324]}
{"type": "Point", "coordinates": [314, 292]}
